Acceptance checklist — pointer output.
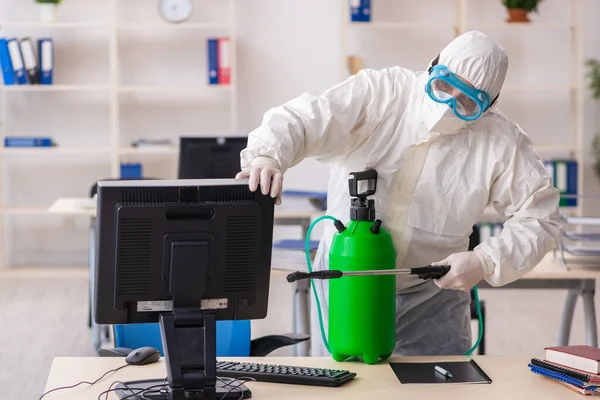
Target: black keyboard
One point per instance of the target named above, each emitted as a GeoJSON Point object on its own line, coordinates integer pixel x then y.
{"type": "Point", "coordinates": [284, 373]}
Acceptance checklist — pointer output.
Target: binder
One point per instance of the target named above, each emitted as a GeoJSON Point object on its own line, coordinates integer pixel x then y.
{"type": "Point", "coordinates": [550, 168]}
{"type": "Point", "coordinates": [17, 61]}
{"type": "Point", "coordinates": [213, 62]}
{"type": "Point", "coordinates": [131, 170]}
{"type": "Point", "coordinates": [46, 54]}
{"type": "Point", "coordinates": [557, 376]}
{"type": "Point", "coordinates": [497, 230]}
{"type": "Point", "coordinates": [565, 180]}
{"type": "Point", "coordinates": [8, 73]}
{"type": "Point", "coordinates": [360, 10]}
{"type": "Point", "coordinates": [224, 63]}
{"type": "Point", "coordinates": [573, 373]}
{"type": "Point", "coordinates": [30, 60]}
{"type": "Point", "coordinates": [25, 141]}
{"type": "Point", "coordinates": [355, 10]}
{"type": "Point", "coordinates": [571, 183]}
{"type": "Point", "coordinates": [366, 10]}
{"type": "Point", "coordinates": [485, 231]}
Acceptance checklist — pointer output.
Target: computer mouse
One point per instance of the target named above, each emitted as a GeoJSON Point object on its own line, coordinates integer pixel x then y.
{"type": "Point", "coordinates": [143, 356]}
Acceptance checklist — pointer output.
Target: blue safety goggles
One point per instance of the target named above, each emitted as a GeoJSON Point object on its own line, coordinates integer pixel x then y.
{"type": "Point", "coordinates": [467, 102]}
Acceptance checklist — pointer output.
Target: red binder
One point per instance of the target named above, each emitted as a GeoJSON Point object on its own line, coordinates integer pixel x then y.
{"type": "Point", "coordinates": [224, 52]}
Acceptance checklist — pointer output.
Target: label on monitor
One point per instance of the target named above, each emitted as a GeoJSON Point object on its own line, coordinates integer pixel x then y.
{"type": "Point", "coordinates": [213, 304]}
{"type": "Point", "coordinates": [153, 306]}
{"type": "Point", "coordinates": [167, 305]}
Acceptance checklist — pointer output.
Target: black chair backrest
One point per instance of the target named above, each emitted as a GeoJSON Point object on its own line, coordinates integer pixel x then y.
{"type": "Point", "coordinates": [474, 239]}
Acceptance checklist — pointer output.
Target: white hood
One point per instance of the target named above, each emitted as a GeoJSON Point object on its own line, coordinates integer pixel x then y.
{"type": "Point", "coordinates": [477, 58]}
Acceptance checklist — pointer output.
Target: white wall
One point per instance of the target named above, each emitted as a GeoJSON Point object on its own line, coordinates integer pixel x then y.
{"type": "Point", "coordinates": [285, 47]}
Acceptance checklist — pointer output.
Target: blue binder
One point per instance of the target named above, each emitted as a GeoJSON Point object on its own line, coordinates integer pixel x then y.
{"type": "Point", "coordinates": [17, 61]}
{"type": "Point", "coordinates": [131, 171]}
{"type": "Point", "coordinates": [46, 55]}
{"type": "Point", "coordinates": [355, 10]}
{"type": "Point", "coordinates": [360, 10]}
{"type": "Point", "coordinates": [27, 141]}
{"type": "Point", "coordinates": [564, 174]}
{"type": "Point", "coordinates": [213, 62]}
{"type": "Point", "coordinates": [557, 376]}
{"type": "Point", "coordinates": [8, 74]}
{"type": "Point", "coordinates": [366, 10]}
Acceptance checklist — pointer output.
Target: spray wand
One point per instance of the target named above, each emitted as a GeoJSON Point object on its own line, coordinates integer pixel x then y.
{"type": "Point", "coordinates": [428, 272]}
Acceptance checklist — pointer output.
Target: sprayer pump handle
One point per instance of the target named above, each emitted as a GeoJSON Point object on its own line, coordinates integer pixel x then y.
{"type": "Point", "coordinates": [430, 271]}
{"type": "Point", "coordinates": [370, 176]}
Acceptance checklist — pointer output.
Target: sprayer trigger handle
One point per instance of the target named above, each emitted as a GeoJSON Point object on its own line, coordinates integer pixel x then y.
{"type": "Point", "coordinates": [431, 271]}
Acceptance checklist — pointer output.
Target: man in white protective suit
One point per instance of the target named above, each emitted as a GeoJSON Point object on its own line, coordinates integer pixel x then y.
{"type": "Point", "coordinates": [443, 153]}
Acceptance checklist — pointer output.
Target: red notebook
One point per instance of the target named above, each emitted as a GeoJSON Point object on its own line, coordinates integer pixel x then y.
{"type": "Point", "coordinates": [585, 358]}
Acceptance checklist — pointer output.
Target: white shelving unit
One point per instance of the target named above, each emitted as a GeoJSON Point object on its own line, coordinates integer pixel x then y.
{"type": "Point", "coordinates": [119, 29]}
{"type": "Point", "coordinates": [455, 20]}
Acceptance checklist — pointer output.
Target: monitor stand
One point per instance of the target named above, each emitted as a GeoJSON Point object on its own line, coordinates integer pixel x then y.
{"type": "Point", "coordinates": [189, 341]}
{"type": "Point", "coordinates": [188, 332]}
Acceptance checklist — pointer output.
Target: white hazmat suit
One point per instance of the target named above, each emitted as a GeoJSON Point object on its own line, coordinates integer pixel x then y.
{"type": "Point", "coordinates": [436, 175]}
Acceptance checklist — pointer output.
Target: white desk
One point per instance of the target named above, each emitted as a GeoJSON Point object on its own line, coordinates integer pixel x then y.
{"type": "Point", "coordinates": [511, 379]}
{"type": "Point", "coordinates": [74, 206]}
{"type": "Point", "coordinates": [579, 280]}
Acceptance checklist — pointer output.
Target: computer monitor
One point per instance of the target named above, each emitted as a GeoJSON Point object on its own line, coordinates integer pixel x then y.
{"type": "Point", "coordinates": [210, 157]}
{"type": "Point", "coordinates": [184, 253]}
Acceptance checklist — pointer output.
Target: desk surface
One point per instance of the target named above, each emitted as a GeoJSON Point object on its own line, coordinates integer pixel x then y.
{"type": "Point", "coordinates": [74, 206]}
{"type": "Point", "coordinates": [510, 379]}
{"type": "Point", "coordinates": [550, 268]}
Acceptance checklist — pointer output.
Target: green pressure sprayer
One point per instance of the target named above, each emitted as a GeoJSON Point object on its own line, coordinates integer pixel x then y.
{"type": "Point", "coordinates": [362, 306]}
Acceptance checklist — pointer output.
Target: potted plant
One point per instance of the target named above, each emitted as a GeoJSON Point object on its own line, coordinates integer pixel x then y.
{"type": "Point", "coordinates": [48, 9]}
{"type": "Point", "coordinates": [594, 85]}
{"type": "Point", "coordinates": [518, 10]}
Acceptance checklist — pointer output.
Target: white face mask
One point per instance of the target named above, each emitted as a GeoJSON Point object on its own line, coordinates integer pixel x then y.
{"type": "Point", "coordinates": [439, 118]}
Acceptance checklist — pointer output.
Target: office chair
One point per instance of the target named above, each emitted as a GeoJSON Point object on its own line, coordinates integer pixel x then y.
{"type": "Point", "coordinates": [474, 240]}
{"type": "Point", "coordinates": [233, 339]}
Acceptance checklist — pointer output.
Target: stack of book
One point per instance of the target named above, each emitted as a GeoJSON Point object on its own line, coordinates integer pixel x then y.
{"type": "Point", "coordinates": [575, 367]}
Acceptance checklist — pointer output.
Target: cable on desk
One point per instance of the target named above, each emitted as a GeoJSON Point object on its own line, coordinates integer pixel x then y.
{"type": "Point", "coordinates": [139, 391]}
{"type": "Point", "coordinates": [143, 391]}
{"type": "Point", "coordinates": [83, 382]}
{"type": "Point", "coordinates": [107, 391]}
{"type": "Point", "coordinates": [241, 382]}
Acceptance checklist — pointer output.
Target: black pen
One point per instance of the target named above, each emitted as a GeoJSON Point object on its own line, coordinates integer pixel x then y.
{"type": "Point", "coordinates": [442, 371]}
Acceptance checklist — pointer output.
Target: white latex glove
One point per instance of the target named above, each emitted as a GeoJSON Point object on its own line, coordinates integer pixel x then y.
{"type": "Point", "coordinates": [466, 271]}
{"type": "Point", "coordinates": [265, 172]}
